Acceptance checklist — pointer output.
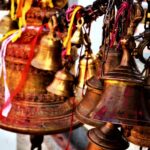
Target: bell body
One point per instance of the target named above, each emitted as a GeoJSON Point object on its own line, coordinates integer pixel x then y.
{"type": "Point", "coordinates": [140, 135]}
{"type": "Point", "coordinates": [126, 101]}
{"type": "Point", "coordinates": [90, 101]}
{"type": "Point", "coordinates": [63, 84]}
{"type": "Point", "coordinates": [87, 69]}
{"type": "Point", "coordinates": [48, 56]}
{"type": "Point", "coordinates": [122, 101]}
{"type": "Point", "coordinates": [33, 111]}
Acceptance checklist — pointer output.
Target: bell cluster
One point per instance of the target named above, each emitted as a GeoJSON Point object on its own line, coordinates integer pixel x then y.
{"type": "Point", "coordinates": [51, 81]}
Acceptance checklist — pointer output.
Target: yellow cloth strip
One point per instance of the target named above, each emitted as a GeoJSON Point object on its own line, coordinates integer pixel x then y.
{"type": "Point", "coordinates": [12, 11]}
{"type": "Point", "coordinates": [67, 41]}
{"type": "Point", "coordinates": [51, 5]}
{"type": "Point", "coordinates": [7, 35]}
{"type": "Point", "coordinates": [26, 7]}
{"type": "Point", "coordinates": [22, 19]}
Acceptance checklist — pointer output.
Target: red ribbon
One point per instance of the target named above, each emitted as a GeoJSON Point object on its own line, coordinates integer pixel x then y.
{"type": "Point", "coordinates": [122, 9]}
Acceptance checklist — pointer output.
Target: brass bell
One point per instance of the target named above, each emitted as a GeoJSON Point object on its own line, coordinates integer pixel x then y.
{"type": "Point", "coordinates": [34, 110]}
{"type": "Point", "coordinates": [140, 135]}
{"type": "Point", "coordinates": [63, 84]}
{"type": "Point", "coordinates": [122, 101]}
{"type": "Point", "coordinates": [87, 68]}
{"type": "Point", "coordinates": [108, 137]}
{"type": "Point", "coordinates": [48, 56]}
{"type": "Point", "coordinates": [90, 101]}
{"type": "Point", "coordinates": [78, 34]}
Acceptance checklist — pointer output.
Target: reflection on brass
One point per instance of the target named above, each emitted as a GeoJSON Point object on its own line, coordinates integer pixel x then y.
{"type": "Point", "coordinates": [60, 3]}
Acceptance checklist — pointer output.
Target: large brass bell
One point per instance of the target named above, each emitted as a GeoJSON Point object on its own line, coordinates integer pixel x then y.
{"type": "Point", "coordinates": [140, 135]}
{"type": "Point", "coordinates": [63, 84]}
{"type": "Point", "coordinates": [34, 110]}
{"type": "Point", "coordinates": [48, 56]}
{"type": "Point", "coordinates": [121, 101]}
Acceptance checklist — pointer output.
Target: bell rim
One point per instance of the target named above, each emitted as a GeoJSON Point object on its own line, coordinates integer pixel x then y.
{"type": "Point", "coordinates": [40, 131]}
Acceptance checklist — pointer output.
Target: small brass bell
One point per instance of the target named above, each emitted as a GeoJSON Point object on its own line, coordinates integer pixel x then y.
{"type": "Point", "coordinates": [87, 68]}
{"type": "Point", "coordinates": [62, 84]}
{"type": "Point", "coordinates": [78, 34]}
{"type": "Point", "coordinates": [108, 137]}
{"type": "Point", "coordinates": [48, 56]}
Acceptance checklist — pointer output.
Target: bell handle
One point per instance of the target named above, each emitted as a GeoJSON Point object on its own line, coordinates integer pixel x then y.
{"type": "Point", "coordinates": [126, 56]}
{"type": "Point", "coordinates": [52, 24]}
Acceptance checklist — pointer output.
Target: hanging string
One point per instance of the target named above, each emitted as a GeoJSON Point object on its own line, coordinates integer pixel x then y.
{"type": "Point", "coordinates": [69, 12]}
{"type": "Point", "coordinates": [140, 148]}
{"type": "Point", "coordinates": [67, 41]}
{"type": "Point", "coordinates": [122, 9]}
{"type": "Point", "coordinates": [23, 75]}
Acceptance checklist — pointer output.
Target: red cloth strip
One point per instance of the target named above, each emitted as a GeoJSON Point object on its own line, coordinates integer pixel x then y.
{"type": "Point", "coordinates": [24, 72]}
